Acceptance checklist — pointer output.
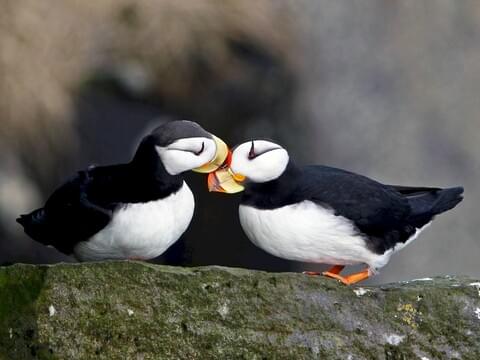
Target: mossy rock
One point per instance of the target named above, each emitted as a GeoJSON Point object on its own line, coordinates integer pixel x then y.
{"type": "Point", "coordinates": [130, 310]}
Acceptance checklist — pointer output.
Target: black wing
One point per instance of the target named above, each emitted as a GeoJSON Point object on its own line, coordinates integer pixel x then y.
{"type": "Point", "coordinates": [366, 202]}
{"type": "Point", "coordinates": [69, 216]}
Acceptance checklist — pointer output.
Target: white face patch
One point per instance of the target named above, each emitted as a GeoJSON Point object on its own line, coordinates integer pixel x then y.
{"type": "Point", "coordinates": [264, 162]}
{"type": "Point", "coordinates": [187, 154]}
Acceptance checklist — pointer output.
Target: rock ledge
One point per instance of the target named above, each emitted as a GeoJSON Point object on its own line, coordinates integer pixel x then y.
{"type": "Point", "coordinates": [135, 310]}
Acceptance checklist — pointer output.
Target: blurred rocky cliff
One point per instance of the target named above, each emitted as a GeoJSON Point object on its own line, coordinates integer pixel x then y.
{"type": "Point", "coordinates": [387, 89]}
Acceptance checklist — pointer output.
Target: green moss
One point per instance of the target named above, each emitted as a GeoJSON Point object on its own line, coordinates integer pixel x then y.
{"type": "Point", "coordinates": [127, 310]}
{"type": "Point", "coordinates": [20, 288]}
{"type": "Point", "coordinates": [401, 352]}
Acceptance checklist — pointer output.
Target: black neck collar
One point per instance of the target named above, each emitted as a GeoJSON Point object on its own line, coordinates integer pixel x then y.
{"type": "Point", "coordinates": [274, 193]}
{"type": "Point", "coordinates": [151, 172]}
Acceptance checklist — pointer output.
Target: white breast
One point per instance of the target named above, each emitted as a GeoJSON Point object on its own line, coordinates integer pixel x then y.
{"type": "Point", "coordinates": [305, 232]}
{"type": "Point", "coordinates": [141, 231]}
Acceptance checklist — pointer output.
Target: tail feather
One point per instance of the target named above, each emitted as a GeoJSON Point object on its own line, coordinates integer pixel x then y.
{"type": "Point", "coordinates": [35, 225]}
{"type": "Point", "coordinates": [426, 202]}
{"type": "Point", "coordinates": [447, 199]}
{"type": "Point", "coordinates": [22, 220]}
{"type": "Point", "coordinates": [425, 205]}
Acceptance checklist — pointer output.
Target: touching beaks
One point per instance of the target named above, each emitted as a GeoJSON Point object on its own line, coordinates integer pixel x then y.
{"type": "Point", "coordinates": [220, 157]}
{"type": "Point", "coordinates": [220, 176]}
{"type": "Point", "coordinates": [224, 180]}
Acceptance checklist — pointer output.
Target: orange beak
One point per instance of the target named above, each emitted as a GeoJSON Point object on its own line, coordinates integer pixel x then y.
{"type": "Point", "coordinates": [214, 183]}
{"type": "Point", "coordinates": [224, 180]}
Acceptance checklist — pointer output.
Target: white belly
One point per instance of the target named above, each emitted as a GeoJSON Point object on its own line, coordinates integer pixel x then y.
{"type": "Point", "coordinates": [305, 232]}
{"type": "Point", "coordinates": [143, 230]}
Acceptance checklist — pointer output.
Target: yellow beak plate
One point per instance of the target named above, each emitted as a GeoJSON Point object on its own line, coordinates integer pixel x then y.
{"type": "Point", "coordinates": [223, 181]}
{"type": "Point", "coordinates": [220, 156]}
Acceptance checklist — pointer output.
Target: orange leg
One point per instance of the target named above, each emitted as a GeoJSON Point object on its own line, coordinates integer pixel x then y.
{"type": "Point", "coordinates": [335, 270]}
{"type": "Point", "coordinates": [349, 279]}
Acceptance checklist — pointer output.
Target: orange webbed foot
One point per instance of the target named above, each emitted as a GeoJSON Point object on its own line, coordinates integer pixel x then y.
{"type": "Point", "coordinates": [348, 279]}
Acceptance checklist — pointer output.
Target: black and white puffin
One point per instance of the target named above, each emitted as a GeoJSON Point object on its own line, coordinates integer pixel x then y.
{"type": "Point", "coordinates": [321, 214]}
{"type": "Point", "coordinates": [129, 211]}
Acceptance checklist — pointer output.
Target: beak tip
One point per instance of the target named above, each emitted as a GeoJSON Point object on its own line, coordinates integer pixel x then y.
{"type": "Point", "coordinates": [222, 181]}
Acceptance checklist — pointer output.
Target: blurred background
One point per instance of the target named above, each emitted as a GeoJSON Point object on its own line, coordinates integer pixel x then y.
{"type": "Point", "coordinates": [387, 89]}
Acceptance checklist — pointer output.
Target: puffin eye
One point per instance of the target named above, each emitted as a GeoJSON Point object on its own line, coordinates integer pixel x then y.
{"type": "Point", "coordinates": [251, 153]}
{"type": "Point", "coordinates": [201, 149]}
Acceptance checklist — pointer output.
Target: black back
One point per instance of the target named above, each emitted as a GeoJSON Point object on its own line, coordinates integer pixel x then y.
{"type": "Point", "coordinates": [385, 215]}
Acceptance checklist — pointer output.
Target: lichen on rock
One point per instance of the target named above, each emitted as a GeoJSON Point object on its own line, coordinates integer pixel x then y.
{"type": "Point", "coordinates": [142, 311]}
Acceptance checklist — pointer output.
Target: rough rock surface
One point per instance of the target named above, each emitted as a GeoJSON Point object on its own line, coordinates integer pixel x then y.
{"type": "Point", "coordinates": [120, 310]}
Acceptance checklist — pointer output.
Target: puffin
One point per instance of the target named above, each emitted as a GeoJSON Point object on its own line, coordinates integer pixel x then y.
{"type": "Point", "coordinates": [321, 214]}
{"type": "Point", "coordinates": [135, 210]}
